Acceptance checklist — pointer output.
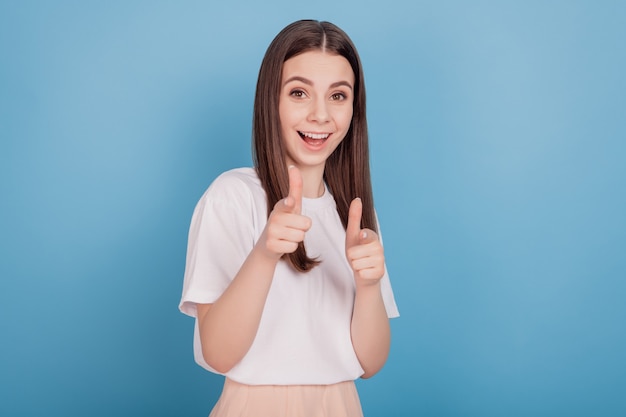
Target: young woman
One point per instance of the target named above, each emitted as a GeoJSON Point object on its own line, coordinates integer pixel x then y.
{"type": "Point", "coordinates": [285, 269]}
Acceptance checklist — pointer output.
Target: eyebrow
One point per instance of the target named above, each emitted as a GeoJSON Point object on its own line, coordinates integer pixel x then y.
{"type": "Point", "coordinates": [309, 82]}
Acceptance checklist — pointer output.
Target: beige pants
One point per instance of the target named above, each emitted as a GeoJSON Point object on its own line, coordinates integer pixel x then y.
{"type": "Point", "coordinates": [240, 400]}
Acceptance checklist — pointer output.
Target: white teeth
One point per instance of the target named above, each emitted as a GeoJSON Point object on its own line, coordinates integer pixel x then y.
{"type": "Point", "coordinates": [315, 135]}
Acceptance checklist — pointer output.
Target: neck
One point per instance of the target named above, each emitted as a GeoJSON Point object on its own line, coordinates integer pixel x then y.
{"type": "Point", "coordinates": [312, 182]}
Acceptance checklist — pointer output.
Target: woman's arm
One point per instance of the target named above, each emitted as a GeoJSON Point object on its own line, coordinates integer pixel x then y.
{"type": "Point", "coordinates": [369, 329]}
{"type": "Point", "coordinates": [371, 335]}
{"type": "Point", "coordinates": [228, 326]}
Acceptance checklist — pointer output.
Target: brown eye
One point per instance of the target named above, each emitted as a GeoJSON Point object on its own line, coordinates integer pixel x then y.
{"type": "Point", "coordinates": [297, 93]}
{"type": "Point", "coordinates": [338, 96]}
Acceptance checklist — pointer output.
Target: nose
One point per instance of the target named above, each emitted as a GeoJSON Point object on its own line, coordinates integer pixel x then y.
{"type": "Point", "coordinates": [319, 111]}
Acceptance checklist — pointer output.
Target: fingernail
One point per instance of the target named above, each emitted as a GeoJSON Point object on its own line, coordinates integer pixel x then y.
{"type": "Point", "coordinates": [291, 166]}
{"type": "Point", "coordinates": [364, 235]}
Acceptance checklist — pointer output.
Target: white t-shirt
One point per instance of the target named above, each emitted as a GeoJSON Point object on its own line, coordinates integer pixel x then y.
{"type": "Point", "coordinates": [304, 332]}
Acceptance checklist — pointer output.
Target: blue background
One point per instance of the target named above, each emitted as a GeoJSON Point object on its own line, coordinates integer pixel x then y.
{"type": "Point", "coordinates": [498, 136]}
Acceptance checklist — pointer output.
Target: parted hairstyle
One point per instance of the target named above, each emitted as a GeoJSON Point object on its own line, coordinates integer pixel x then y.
{"type": "Point", "coordinates": [347, 171]}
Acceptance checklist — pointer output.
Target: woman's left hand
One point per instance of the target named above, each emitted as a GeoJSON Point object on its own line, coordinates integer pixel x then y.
{"type": "Point", "coordinates": [363, 248]}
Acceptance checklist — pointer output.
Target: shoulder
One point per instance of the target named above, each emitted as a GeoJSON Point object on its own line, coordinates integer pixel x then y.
{"type": "Point", "coordinates": [237, 177]}
{"type": "Point", "coordinates": [235, 187]}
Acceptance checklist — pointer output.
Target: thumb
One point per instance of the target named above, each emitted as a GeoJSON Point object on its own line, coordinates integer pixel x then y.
{"type": "Point", "coordinates": [353, 229]}
{"type": "Point", "coordinates": [367, 236]}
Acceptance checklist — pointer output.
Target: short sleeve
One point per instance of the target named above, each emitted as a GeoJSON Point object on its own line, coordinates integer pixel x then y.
{"type": "Point", "coordinates": [385, 286]}
{"type": "Point", "coordinates": [221, 236]}
{"type": "Point", "coordinates": [388, 298]}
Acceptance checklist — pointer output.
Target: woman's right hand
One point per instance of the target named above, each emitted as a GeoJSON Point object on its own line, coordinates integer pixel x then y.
{"type": "Point", "coordinates": [286, 225]}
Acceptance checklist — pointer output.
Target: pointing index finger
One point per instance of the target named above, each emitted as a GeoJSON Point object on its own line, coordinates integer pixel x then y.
{"type": "Point", "coordinates": [295, 188]}
{"type": "Point", "coordinates": [353, 229]}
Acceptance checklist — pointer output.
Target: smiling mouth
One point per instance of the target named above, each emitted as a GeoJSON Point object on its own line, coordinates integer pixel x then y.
{"type": "Point", "coordinates": [314, 138]}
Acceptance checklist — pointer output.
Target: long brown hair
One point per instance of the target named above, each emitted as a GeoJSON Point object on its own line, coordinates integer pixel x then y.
{"type": "Point", "coordinates": [347, 171]}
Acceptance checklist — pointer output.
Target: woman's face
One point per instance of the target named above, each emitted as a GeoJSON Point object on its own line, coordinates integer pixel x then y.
{"type": "Point", "coordinates": [315, 106]}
